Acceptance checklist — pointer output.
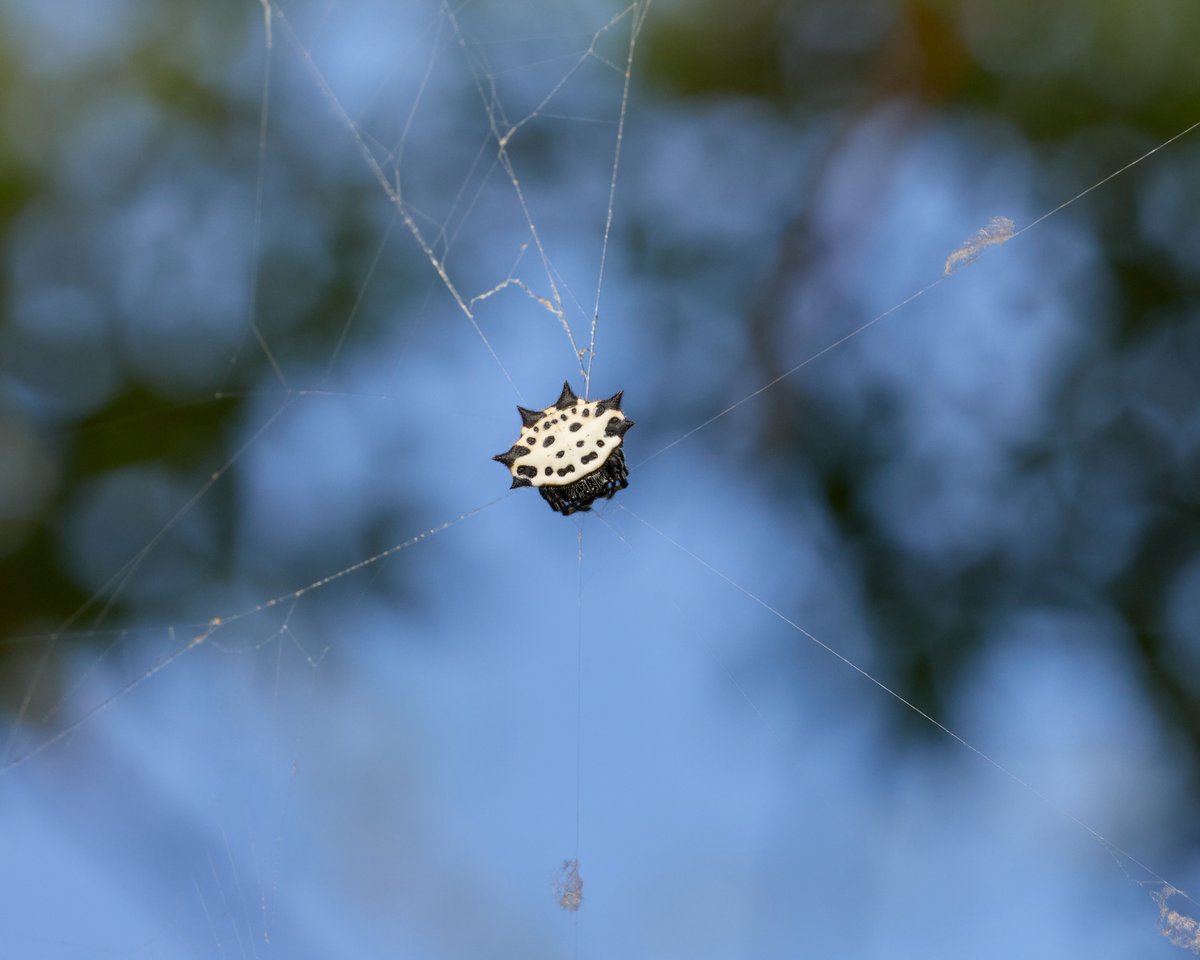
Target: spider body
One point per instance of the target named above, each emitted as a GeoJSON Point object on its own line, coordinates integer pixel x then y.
{"type": "Point", "coordinates": [571, 451]}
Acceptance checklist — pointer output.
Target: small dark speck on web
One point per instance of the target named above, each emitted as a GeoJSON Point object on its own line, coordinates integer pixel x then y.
{"type": "Point", "coordinates": [568, 886]}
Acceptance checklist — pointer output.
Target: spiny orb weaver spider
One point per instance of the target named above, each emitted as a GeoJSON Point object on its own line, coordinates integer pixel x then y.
{"type": "Point", "coordinates": [571, 451]}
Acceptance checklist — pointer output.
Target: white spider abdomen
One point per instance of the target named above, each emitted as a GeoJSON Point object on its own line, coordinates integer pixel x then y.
{"type": "Point", "coordinates": [571, 451]}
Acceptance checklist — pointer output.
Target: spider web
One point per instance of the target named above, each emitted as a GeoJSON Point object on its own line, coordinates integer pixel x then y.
{"type": "Point", "coordinates": [396, 756]}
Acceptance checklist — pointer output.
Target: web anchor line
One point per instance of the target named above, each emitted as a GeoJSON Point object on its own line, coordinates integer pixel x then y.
{"type": "Point", "coordinates": [1113, 849]}
{"type": "Point", "coordinates": [207, 630]}
{"type": "Point", "coordinates": [639, 18]}
{"type": "Point", "coordinates": [956, 257]}
{"type": "Point", "coordinates": [393, 194]}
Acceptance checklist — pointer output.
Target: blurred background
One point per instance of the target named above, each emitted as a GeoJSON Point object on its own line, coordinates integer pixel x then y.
{"type": "Point", "coordinates": [284, 670]}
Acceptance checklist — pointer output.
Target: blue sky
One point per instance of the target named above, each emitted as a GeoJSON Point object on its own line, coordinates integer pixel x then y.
{"type": "Point", "coordinates": [424, 693]}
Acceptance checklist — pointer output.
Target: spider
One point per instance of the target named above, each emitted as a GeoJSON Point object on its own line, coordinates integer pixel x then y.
{"type": "Point", "coordinates": [571, 451]}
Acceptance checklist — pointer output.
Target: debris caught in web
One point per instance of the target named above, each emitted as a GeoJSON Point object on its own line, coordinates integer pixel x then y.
{"type": "Point", "coordinates": [1179, 928]}
{"type": "Point", "coordinates": [998, 230]}
{"type": "Point", "coordinates": [568, 886]}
